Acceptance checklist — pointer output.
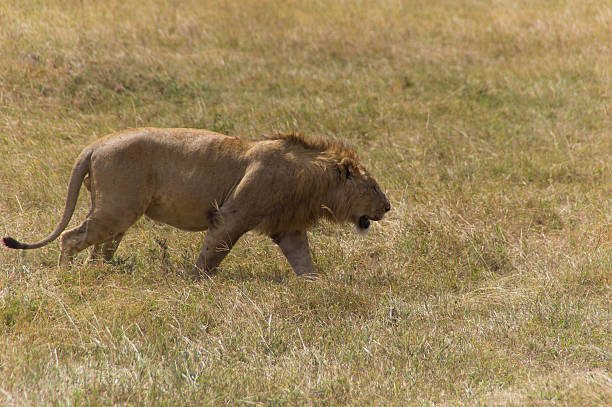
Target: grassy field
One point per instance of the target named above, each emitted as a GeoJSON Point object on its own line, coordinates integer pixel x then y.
{"type": "Point", "coordinates": [487, 123]}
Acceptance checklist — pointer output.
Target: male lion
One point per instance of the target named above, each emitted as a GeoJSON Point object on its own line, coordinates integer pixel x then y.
{"type": "Point", "coordinates": [197, 180]}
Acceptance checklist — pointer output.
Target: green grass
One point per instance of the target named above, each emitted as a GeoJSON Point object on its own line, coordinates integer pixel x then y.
{"type": "Point", "coordinates": [487, 124]}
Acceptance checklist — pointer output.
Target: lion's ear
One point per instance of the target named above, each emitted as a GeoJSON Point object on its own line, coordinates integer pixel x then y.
{"type": "Point", "coordinates": [346, 168]}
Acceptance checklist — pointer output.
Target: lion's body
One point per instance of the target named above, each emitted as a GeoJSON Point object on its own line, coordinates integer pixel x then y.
{"type": "Point", "coordinates": [173, 176]}
{"type": "Point", "coordinates": [198, 180]}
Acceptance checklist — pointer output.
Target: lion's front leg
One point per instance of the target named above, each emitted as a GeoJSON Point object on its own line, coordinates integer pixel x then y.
{"type": "Point", "coordinates": [294, 246]}
{"type": "Point", "coordinates": [217, 245]}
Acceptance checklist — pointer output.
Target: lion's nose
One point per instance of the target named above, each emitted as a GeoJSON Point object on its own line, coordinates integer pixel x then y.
{"type": "Point", "coordinates": [387, 207]}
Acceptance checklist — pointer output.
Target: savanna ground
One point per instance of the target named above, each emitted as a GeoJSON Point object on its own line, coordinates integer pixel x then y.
{"type": "Point", "coordinates": [487, 123]}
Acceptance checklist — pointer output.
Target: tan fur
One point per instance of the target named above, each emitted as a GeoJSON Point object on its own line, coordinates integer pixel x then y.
{"type": "Point", "coordinates": [197, 180]}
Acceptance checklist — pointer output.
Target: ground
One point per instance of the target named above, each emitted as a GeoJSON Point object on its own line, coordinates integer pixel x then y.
{"type": "Point", "coordinates": [487, 124]}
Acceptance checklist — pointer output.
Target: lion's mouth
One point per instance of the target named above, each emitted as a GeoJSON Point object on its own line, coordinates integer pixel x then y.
{"type": "Point", "coordinates": [364, 222]}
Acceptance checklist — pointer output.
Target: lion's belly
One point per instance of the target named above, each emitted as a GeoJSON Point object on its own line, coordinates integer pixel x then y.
{"type": "Point", "coordinates": [188, 192]}
{"type": "Point", "coordinates": [185, 203]}
{"type": "Point", "coordinates": [181, 216]}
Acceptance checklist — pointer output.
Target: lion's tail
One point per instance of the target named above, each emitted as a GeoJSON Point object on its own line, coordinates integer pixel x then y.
{"type": "Point", "coordinates": [79, 171]}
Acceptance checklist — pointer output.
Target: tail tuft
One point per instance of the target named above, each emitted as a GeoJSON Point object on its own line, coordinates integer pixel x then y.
{"type": "Point", "coordinates": [12, 243]}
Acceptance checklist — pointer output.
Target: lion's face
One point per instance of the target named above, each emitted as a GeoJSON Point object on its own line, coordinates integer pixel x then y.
{"type": "Point", "coordinates": [364, 199]}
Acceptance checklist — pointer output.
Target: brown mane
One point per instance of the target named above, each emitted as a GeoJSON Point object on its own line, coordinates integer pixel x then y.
{"type": "Point", "coordinates": [329, 146]}
{"type": "Point", "coordinates": [312, 188]}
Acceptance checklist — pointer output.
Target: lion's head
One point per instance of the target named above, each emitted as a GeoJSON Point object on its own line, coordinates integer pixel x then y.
{"type": "Point", "coordinates": [359, 198]}
{"type": "Point", "coordinates": [326, 181]}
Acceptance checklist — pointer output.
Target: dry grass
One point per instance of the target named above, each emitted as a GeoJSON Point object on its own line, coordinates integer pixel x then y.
{"type": "Point", "coordinates": [487, 123]}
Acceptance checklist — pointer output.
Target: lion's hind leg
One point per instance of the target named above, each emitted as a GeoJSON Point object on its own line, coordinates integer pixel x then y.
{"type": "Point", "coordinates": [107, 249]}
{"type": "Point", "coordinates": [110, 247]}
{"type": "Point", "coordinates": [94, 255]}
{"type": "Point", "coordinates": [81, 237]}
{"type": "Point", "coordinates": [103, 232]}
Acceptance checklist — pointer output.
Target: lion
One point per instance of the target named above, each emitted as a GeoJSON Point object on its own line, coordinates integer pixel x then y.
{"type": "Point", "coordinates": [199, 180]}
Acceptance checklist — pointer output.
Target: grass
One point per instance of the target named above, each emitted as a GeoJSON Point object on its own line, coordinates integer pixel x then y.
{"type": "Point", "coordinates": [486, 123]}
